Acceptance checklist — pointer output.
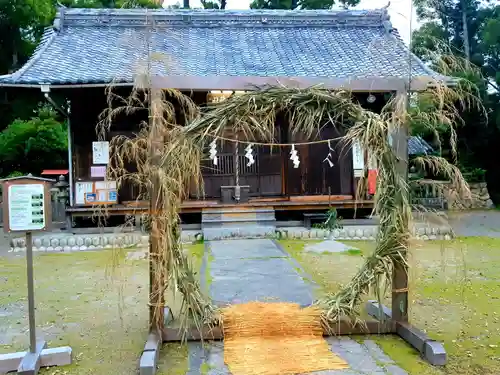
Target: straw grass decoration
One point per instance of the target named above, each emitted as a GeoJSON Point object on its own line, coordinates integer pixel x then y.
{"type": "Point", "coordinates": [167, 156]}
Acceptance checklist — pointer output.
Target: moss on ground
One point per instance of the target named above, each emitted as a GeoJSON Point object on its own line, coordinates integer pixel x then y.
{"type": "Point", "coordinates": [454, 293]}
{"type": "Point", "coordinates": [95, 302]}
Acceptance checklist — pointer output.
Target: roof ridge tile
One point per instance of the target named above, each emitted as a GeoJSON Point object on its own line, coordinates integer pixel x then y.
{"type": "Point", "coordinates": [234, 18]}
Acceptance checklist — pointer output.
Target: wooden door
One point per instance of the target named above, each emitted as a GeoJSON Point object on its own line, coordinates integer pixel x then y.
{"type": "Point", "coordinates": [315, 176]}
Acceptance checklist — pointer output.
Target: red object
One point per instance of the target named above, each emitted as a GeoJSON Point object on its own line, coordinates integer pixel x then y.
{"type": "Point", "coordinates": [372, 181]}
{"type": "Point", "coordinates": [54, 172]}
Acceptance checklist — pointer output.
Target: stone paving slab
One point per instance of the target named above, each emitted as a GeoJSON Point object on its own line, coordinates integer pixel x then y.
{"type": "Point", "coordinates": [259, 269]}
{"type": "Point", "coordinates": [364, 358]}
{"type": "Point", "coordinates": [476, 223]}
{"type": "Point", "coordinates": [255, 270]}
{"type": "Point", "coordinates": [245, 249]}
{"type": "Point", "coordinates": [328, 246]}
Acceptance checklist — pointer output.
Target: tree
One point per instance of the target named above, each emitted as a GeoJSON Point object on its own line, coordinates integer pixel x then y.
{"type": "Point", "coordinates": [217, 4]}
{"type": "Point", "coordinates": [112, 3]}
{"type": "Point", "coordinates": [469, 30]}
{"type": "Point", "coordinates": [33, 145]}
{"type": "Point", "coordinates": [21, 26]}
{"type": "Point", "coordinates": [302, 4]}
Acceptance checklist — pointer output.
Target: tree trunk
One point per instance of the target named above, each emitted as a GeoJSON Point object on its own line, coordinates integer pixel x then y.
{"type": "Point", "coordinates": [223, 4]}
{"type": "Point", "coordinates": [463, 4]}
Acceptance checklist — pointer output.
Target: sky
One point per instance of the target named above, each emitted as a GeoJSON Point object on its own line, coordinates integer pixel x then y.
{"type": "Point", "coordinates": [400, 11]}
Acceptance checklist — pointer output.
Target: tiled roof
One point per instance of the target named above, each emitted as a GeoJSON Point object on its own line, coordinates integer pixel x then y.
{"type": "Point", "coordinates": [417, 146]}
{"type": "Point", "coordinates": [102, 45]}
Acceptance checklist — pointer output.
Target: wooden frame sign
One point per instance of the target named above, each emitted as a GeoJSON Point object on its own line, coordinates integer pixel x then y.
{"type": "Point", "coordinates": [26, 206]}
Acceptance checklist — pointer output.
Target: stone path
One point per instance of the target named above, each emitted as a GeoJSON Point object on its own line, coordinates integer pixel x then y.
{"type": "Point", "coordinates": [364, 358]}
{"type": "Point", "coordinates": [476, 223]}
{"type": "Point", "coordinates": [255, 270]}
{"type": "Point", "coordinates": [259, 269]}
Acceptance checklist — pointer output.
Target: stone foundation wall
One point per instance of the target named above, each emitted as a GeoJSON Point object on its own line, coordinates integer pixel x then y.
{"type": "Point", "coordinates": [362, 233]}
{"type": "Point", "coordinates": [70, 242]}
{"type": "Point", "coordinates": [479, 199]}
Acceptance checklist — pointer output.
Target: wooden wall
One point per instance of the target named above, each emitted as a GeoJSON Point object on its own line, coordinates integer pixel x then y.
{"type": "Point", "coordinates": [272, 174]}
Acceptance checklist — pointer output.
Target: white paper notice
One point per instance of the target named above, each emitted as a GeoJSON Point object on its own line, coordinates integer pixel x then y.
{"type": "Point", "coordinates": [100, 152]}
{"type": "Point", "coordinates": [358, 160]}
{"type": "Point", "coordinates": [82, 188]}
{"type": "Point", "coordinates": [26, 207]}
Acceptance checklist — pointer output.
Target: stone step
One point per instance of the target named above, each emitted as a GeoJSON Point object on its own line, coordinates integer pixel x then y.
{"type": "Point", "coordinates": [235, 216]}
{"type": "Point", "coordinates": [239, 216]}
{"type": "Point", "coordinates": [220, 210]}
{"type": "Point", "coordinates": [239, 223]}
{"type": "Point", "coordinates": [247, 231]}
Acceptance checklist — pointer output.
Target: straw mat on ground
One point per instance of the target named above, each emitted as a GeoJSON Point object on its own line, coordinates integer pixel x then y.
{"type": "Point", "coordinates": [275, 338]}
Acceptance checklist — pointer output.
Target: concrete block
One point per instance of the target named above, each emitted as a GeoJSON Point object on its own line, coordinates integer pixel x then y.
{"type": "Point", "coordinates": [378, 312]}
{"type": "Point", "coordinates": [435, 353]}
{"type": "Point", "coordinates": [152, 342]}
{"type": "Point", "coordinates": [60, 356]}
{"type": "Point", "coordinates": [168, 316]}
{"type": "Point", "coordinates": [412, 336]}
{"type": "Point", "coordinates": [31, 362]}
{"type": "Point", "coordinates": [148, 362]}
{"type": "Point", "coordinates": [10, 361]}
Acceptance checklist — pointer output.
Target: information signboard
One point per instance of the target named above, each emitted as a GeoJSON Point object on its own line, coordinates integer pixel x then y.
{"type": "Point", "coordinates": [26, 207]}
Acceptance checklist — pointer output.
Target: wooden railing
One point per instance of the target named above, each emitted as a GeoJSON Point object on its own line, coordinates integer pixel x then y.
{"type": "Point", "coordinates": [429, 194]}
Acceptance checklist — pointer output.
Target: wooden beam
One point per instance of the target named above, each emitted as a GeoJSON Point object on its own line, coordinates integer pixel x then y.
{"type": "Point", "coordinates": [248, 83]}
{"type": "Point", "coordinates": [343, 327]}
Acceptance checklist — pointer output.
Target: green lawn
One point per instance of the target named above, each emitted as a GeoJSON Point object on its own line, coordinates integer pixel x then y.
{"type": "Point", "coordinates": [454, 294]}
{"type": "Point", "coordinates": [95, 302]}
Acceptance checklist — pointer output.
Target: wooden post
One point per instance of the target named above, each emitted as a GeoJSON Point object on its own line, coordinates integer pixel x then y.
{"type": "Point", "coordinates": [31, 291]}
{"type": "Point", "coordinates": [156, 270]}
{"type": "Point", "coordinates": [400, 272]}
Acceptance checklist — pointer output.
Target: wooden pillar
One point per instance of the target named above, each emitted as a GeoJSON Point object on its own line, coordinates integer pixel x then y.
{"type": "Point", "coordinates": [400, 272]}
{"type": "Point", "coordinates": [156, 260]}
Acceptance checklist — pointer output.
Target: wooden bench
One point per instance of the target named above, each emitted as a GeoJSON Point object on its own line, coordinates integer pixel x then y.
{"type": "Point", "coordinates": [308, 217]}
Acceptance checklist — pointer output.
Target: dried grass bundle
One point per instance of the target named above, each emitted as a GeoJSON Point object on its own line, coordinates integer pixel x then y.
{"type": "Point", "coordinates": [276, 338]}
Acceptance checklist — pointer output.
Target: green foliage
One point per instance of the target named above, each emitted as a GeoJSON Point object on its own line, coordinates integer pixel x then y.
{"type": "Point", "coordinates": [33, 145]}
{"type": "Point", "coordinates": [443, 30]}
{"type": "Point", "coordinates": [332, 221]}
{"type": "Point", "coordinates": [21, 25]}
{"type": "Point", "coordinates": [111, 3]}
{"type": "Point", "coordinates": [217, 4]}
{"type": "Point", "coordinates": [302, 4]}
{"type": "Point", "coordinates": [472, 174]}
